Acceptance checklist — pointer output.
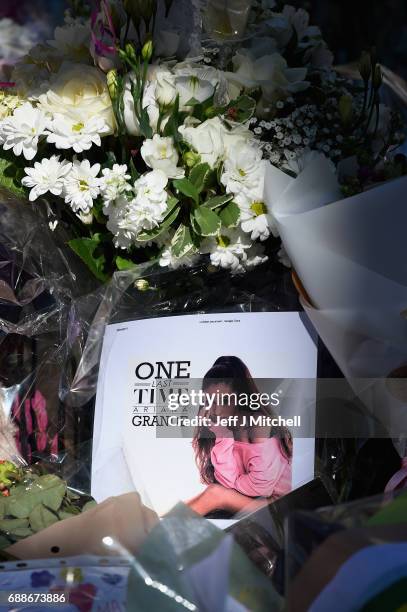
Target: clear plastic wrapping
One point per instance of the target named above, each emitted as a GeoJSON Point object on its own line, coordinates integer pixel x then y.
{"type": "Point", "coordinates": [327, 546]}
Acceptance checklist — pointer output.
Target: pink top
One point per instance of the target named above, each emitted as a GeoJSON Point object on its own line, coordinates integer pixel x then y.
{"type": "Point", "coordinates": [256, 469]}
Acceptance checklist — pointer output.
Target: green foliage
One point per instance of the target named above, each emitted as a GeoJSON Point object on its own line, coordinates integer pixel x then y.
{"type": "Point", "coordinates": [230, 215]}
{"type": "Point", "coordinates": [218, 201]}
{"type": "Point", "coordinates": [199, 176]}
{"type": "Point", "coordinates": [123, 264]}
{"type": "Point", "coordinates": [34, 503]}
{"type": "Point", "coordinates": [187, 188]}
{"type": "Point", "coordinates": [183, 241]}
{"type": "Point", "coordinates": [207, 221]}
{"type": "Point", "coordinates": [11, 174]}
{"type": "Point", "coordinates": [86, 249]}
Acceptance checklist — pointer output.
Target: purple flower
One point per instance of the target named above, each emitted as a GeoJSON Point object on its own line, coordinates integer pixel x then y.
{"type": "Point", "coordinates": [42, 579]}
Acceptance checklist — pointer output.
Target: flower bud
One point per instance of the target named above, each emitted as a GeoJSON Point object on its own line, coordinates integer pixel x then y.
{"type": "Point", "coordinates": [142, 284]}
{"type": "Point", "coordinates": [147, 50]}
{"type": "Point", "coordinates": [191, 159]}
{"type": "Point", "coordinates": [130, 52]}
{"type": "Point", "coordinates": [112, 84]}
{"type": "Point", "coordinates": [365, 66]}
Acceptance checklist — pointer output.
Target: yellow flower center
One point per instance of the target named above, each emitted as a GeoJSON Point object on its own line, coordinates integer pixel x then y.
{"type": "Point", "coordinates": [259, 208]}
{"type": "Point", "coordinates": [163, 152]}
{"type": "Point", "coordinates": [223, 241]}
{"type": "Point", "coordinates": [83, 185]}
{"type": "Point", "coordinates": [78, 127]}
{"type": "Point", "coordinates": [242, 172]}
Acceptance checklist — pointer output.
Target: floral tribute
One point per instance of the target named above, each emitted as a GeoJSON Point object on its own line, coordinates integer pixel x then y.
{"type": "Point", "coordinates": [147, 155]}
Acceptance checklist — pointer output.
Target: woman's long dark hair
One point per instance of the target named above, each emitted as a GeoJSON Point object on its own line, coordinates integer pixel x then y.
{"type": "Point", "coordinates": [233, 372]}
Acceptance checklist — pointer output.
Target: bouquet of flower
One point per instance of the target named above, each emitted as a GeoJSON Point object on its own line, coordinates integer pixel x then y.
{"type": "Point", "coordinates": [150, 157]}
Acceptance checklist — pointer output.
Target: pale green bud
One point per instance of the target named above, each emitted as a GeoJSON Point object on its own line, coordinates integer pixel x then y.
{"type": "Point", "coordinates": [191, 159]}
{"type": "Point", "coordinates": [142, 284]}
{"type": "Point", "coordinates": [147, 50]}
{"type": "Point", "coordinates": [112, 83]}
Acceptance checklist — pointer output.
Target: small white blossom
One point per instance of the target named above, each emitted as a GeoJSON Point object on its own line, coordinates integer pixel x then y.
{"type": "Point", "coordinates": [47, 175]}
{"type": "Point", "coordinates": [255, 256]}
{"type": "Point", "coordinates": [127, 218]}
{"type": "Point", "coordinates": [254, 221]}
{"type": "Point", "coordinates": [114, 183]}
{"type": "Point", "coordinates": [244, 172]}
{"type": "Point", "coordinates": [160, 154]}
{"type": "Point", "coordinates": [228, 250]}
{"type": "Point", "coordinates": [22, 130]}
{"type": "Point", "coordinates": [82, 186]}
{"type": "Point", "coordinates": [70, 133]}
{"type": "Point", "coordinates": [168, 260]}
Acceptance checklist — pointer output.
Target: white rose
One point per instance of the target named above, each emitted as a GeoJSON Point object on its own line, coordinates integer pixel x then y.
{"type": "Point", "coordinates": [207, 140]}
{"type": "Point", "coordinates": [165, 90]}
{"type": "Point", "coordinates": [79, 92]}
{"type": "Point", "coordinates": [244, 173]}
{"type": "Point", "coordinates": [160, 154]}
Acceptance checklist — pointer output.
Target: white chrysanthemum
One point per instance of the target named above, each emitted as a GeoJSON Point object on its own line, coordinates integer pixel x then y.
{"type": "Point", "coordinates": [82, 186]}
{"type": "Point", "coordinates": [228, 250]}
{"type": "Point", "coordinates": [48, 175]}
{"type": "Point", "coordinates": [114, 183]}
{"type": "Point", "coordinates": [255, 221]}
{"type": "Point", "coordinates": [160, 154]}
{"type": "Point", "coordinates": [70, 133]}
{"type": "Point", "coordinates": [127, 218]}
{"type": "Point", "coordinates": [22, 130]}
{"type": "Point", "coordinates": [243, 173]}
{"type": "Point", "coordinates": [168, 260]}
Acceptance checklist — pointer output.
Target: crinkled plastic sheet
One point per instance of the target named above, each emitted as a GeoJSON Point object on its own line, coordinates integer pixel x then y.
{"type": "Point", "coordinates": [185, 564]}
{"type": "Point", "coordinates": [320, 543]}
{"type": "Point", "coordinates": [39, 281]}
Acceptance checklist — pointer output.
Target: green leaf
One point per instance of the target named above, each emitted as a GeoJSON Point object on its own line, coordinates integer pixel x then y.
{"type": "Point", "coordinates": [187, 188]}
{"type": "Point", "coordinates": [241, 110]}
{"type": "Point", "coordinates": [183, 241]}
{"type": "Point", "coordinates": [10, 525]}
{"type": "Point", "coordinates": [175, 120]}
{"type": "Point", "coordinates": [199, 175]}
{"type": "Point", "coordinates": [230, 215]}
{"type": "Point", "coordinates": [85, 249]}
{"type": "Point", "coordinates": [48, 490]}
{"type": "Point", "coordinates": [208, 221]}
{"type": "Point", "coordinates": [124, 264]}
{"type": "Point", "coordinates": [41, 517]}
{"type": "Point", "coordinates": [218, 201]}
{"type": "Point", "coordinates": [145, 126]}
{"type": "Point", "coordinates": [11, 175]}
{"type": "Point", "coordinates": [171, 214]}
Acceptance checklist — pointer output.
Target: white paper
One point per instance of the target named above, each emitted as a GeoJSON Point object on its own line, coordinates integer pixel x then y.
{"type": "Point", "coordinates": [351, 256]}
{"type": "Point", "coordinates": [164, 471]}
